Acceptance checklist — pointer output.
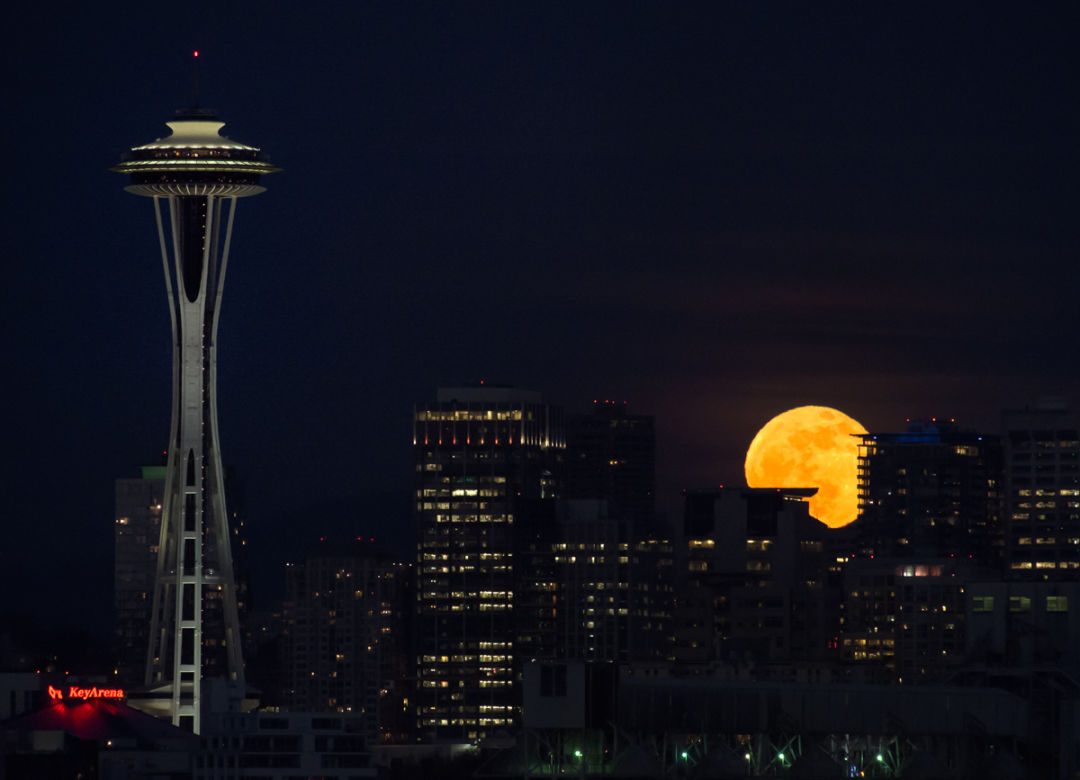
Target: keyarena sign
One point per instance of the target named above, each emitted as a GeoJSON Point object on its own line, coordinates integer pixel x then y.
{"type": "Point", "coordinates": [85, 694]}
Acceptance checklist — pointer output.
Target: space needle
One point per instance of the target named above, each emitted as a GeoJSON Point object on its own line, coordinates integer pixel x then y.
{"type": "Point", "coordinates": [195, 177]}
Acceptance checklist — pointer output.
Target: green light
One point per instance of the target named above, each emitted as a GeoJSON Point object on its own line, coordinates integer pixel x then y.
{"type": "Point", "coordinates": [879, 758]}
{"type": "Point", "coordinates": [747, 756]}
{"type": "Point", "coordinates": [780, 756]}
{"type": "Point", "coordinates": [153, 472]}
{"type": "Point", "coordinates": [685, 755]}
{"type": "Point", "coordinates": [577, 754]}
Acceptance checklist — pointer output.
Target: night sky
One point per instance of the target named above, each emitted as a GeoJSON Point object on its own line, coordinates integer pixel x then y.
{"type": "Point", "coordinates": [714, 212]}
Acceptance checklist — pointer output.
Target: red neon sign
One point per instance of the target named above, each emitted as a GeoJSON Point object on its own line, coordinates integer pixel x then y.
{"type": "Point", "coordinates": [85, 694]}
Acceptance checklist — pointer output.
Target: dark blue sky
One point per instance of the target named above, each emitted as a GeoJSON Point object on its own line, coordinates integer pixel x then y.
{"type": "Point", "coordinates": [714, 211]}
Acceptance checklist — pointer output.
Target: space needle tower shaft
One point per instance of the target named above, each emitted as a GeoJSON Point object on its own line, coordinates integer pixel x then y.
{"type": "Point", "coordinates": [194, 177]}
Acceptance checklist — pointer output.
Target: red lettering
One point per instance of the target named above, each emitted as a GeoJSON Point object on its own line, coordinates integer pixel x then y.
{"type": "Point", "coordinates": [74, 692]}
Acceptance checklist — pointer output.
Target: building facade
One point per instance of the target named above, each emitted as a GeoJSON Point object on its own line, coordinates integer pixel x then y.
{"type": "Point", "coordinates": [1024, 625]}
{"type": "Point", "coordinates": [903, 621]}
{"type": "Point", "coordinates": [592, 593]}
{"type": "Point", "coordinates": [488, 467]}
{"type": "Point", "coordinates": [346, 638]}
{"type": "Point", "coordinates": [283, 746]}
{"type": "Point", "coordinates": [136, 537]}
{"type": "Point", "coordinates": [611, 455]}
{"type": "Point", "coordinates": [931, 491]}
{"type": "Point", "coordinates": [1042, 492]}
{"type": "Point", "coordinates": [757, 599]}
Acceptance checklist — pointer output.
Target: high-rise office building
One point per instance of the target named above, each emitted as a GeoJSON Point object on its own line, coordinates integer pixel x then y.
{"type": "Point", "coordinates": [756, 592]}
{"type": "Point", "coordinates": [1042, 492]}
{"type": "Point", "coordinates": [598, 584]}
{"type": "Point", "coordinates": [611, 455]}
{"type": "Point", "coordinates": [591, 593]}
{"type": "Point", "coordinates": [195, 176]}
{"type": "Point", "coordinates": [487, 467]}
{"type": "Point", "coordinates": [932, 491]}
{"type": "Point", "coordinates": [137, 532]}
{"type": "Point", "coordinates": [903, 622]}
{"type": "Point", "coordinates": [929, 521]}
{"type": "Point", "coordinates": [346, 638]}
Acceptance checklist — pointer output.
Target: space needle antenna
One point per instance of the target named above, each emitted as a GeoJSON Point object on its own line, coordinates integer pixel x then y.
{"type": "Point", "coordinates": [195, 78]}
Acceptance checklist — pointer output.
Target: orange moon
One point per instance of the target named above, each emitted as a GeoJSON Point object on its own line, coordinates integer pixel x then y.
{"type": "Point", "coordinates": [810, 446]}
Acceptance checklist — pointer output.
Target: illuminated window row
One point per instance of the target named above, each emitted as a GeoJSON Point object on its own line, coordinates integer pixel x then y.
{"type": "Point", "coordinates": [473, 518]}
{"type": "Point", "coordinates": [466, 415]}
{"type": "Point", "coordinates": [918, 571]}
{"type": "Point", "coordinates": [1020, 604]}
{"type": "Point", "coordinates": [463, 560]}
{"type": "Point", "coordinates": [485, 594]}
{"type": "Point", "coordinates": [1024, 565]}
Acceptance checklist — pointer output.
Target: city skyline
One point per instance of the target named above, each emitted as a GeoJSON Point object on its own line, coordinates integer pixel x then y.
{"type": "Point", "coordinates": [716, 214]}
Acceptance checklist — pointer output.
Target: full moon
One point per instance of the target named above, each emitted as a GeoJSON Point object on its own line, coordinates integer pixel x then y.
{"type": "Point", "coordinates": [810, 446]}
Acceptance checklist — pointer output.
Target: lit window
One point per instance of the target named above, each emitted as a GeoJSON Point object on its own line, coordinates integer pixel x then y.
{"type": "Point", "coordinates": [1057, 603]}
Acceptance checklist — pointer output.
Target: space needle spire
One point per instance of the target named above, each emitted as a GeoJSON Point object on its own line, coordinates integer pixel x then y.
{"type": "Point", "coordinates": [194, 177]}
